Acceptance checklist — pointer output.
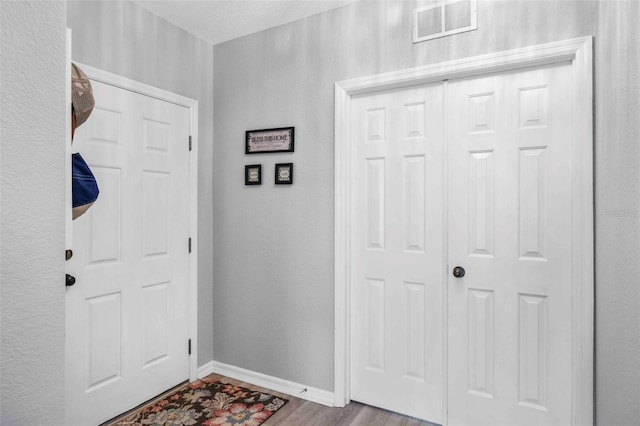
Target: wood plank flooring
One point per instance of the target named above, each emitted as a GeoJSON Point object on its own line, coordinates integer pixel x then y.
{"type": "Point", "coordinates": [300, 412]}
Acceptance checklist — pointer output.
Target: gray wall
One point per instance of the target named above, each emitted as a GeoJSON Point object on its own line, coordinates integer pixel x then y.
{"type": "Point", "coordinates": [32, 128]}
{"type": "Point", "coordinates": [122, 38]}
{"type": "Point", "coordinates": [273, 246]}
{"type": "Point", "coordinates": [617, 158]}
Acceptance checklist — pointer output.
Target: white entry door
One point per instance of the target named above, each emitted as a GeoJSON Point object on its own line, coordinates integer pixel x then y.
{"type": "Point", "coordinates": [397, 251]}
{"type": "Point", "coordinates": [126, 316]}
{"type": "Point", "coordinates": [510, 228]}
{"type": "Point", "coordinates": [509, 193]}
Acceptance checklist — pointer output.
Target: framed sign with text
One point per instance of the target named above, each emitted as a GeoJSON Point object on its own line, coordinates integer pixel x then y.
{"type": "Point", "coordinates": [269, 140]}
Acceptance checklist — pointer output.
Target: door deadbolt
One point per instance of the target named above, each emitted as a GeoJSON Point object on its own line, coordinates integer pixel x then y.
{"type": "Point", "coordinates": [458, 272]}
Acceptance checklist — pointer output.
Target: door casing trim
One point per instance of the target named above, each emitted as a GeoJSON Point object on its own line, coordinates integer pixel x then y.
{"type": "Point", "coordinates": [192, 104]}
{"type": "Point", "coordinates": [579, 52]}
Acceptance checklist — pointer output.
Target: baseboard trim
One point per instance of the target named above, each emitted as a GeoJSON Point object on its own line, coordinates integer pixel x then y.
{"type": "Point", "coordinates": [204, 370]}
{"type": "Point", "coordinates": [258, 379]}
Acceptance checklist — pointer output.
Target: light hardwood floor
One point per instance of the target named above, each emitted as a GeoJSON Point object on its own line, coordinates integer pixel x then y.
{"type": "Point", "coordinates": [299, 412]}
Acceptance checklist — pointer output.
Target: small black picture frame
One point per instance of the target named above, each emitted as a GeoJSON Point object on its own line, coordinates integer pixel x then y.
{"type": "Point", "coordinates": [253, 174]}
{"type": "Point", "coordinates": [284, 174]}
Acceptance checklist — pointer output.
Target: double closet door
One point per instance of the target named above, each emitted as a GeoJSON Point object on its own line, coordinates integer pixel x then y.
{"type": "Point", "coordinates": [461, 249]}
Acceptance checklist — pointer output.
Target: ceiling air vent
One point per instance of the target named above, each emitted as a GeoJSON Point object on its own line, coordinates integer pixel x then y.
{"type": "Point", "coordinates": [444, 18]}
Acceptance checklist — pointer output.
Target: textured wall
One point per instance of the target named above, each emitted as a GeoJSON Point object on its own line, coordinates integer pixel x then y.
{"type": "Point", "coordinates": [32, 100]}
{"type": "Point", "coordinates": [122, 38]}
{"type": "Point", "coordinates": [617, 158]}
{"type": "Point", "coordinates": [273, 245]}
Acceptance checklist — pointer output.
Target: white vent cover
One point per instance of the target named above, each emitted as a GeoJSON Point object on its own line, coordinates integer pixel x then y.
{"type": "Point", "coordinates": [445, 18]}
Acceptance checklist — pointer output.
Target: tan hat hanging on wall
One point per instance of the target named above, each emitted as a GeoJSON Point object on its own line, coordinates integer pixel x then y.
{"type": "Point", "coordinates": [81, 95]}
{"type": "Point", "coordinates": [84, 187]}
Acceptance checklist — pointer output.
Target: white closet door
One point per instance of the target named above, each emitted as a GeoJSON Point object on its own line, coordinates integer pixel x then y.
{"type": "Point", "coordinates": [126, 321]}
{"type": "Point", "coordinates": [397, 251]}
{"type": "Point", "coordinates": [510, 228]}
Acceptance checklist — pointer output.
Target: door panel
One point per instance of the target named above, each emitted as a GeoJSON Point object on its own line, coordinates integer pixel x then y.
{"type": "Point", "coordinates": [127, 332]}
{"type": "Point", "coordinates": [510, 195]}
{"type": "Point", "coordinates": [397, 252]}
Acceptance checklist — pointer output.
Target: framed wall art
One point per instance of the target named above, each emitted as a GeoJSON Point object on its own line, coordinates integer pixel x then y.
{"type": "Point", "coordinates": [284, 174]}
{"type": "Point", "coordinates": [253, 174]}
{"type": "Point", "coordinates": [269, 140]}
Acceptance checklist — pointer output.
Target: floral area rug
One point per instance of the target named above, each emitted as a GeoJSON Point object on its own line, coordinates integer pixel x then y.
{"type": "Point", "coordinates": [207, 402]}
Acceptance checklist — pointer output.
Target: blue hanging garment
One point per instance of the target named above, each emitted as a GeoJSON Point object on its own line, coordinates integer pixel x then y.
{"type": "Point", "coordinates": [83, 186]}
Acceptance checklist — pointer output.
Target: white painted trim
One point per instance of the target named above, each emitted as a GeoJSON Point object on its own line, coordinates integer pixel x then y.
{"type": "Point", "coordinates": [527, 57]}
{"type": "Point", "coordinates": [68, 211]}
{"type": "Point", "coordinates": [135, 86]}
{"type": "Point", "coordinates": [154, 92]}
{"type": "Point", "coordinates": [342, 247]}
{"type": "Point", "coordinates": [205, 370]}
{"type": "Point", "coordinates": [269, 382]}
{"type": "Point", "coordinates": [583, 237]}
{"type": "Point", "coordinates": [193, 233]}
{"type": "Point", "coordinates": [577, 51]}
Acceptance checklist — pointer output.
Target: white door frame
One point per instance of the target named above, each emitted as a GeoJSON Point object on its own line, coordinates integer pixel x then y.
{"type": "Point", "coordinates": [579, 53]}
{"type": "Point", "coordinates": [192, 285]}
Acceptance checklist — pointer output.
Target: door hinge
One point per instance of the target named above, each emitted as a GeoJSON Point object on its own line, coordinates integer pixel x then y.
{"type": "Point", "coordinates": [189, 346]}
{"type": "Point", "coordinates": [189, 244]}
{"type": "Point", "coordinates": [190, 143]}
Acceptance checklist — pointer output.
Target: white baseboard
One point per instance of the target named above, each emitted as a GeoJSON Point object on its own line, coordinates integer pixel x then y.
{"type": "Point", "coordinates": [205, 370]}
{"type": "Point", "coordinates": [258, 379]}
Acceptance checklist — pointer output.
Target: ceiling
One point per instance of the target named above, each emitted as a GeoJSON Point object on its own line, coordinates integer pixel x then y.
{"type": "Point", "coordinates": [217, 21]}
